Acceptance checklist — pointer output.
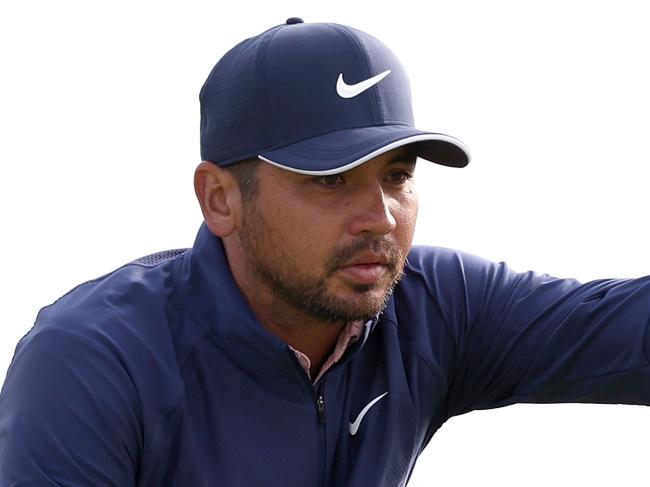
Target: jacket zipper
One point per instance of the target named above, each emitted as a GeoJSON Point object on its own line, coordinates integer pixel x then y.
{"type": "Point", "coordinates": [319, 397]}
{"type": "Point", "coordinates": [320, 408]}
{"type": "Point", "coordinates": [322, 433]}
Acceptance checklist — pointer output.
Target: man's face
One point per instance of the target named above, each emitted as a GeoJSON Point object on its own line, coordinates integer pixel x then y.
{"type": "Point", "coordinates": [332, 247]}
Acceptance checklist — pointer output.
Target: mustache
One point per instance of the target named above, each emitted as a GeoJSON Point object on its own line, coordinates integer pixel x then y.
{"type": "Point", "coordinates": [380, 245]}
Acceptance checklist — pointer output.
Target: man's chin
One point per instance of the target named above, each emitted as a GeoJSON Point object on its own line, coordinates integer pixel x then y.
{"type": "Point", "coordinates": [363, 301]}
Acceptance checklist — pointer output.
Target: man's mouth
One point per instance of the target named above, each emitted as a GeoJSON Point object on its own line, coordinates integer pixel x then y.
{"type": "Point", "coordinates": [367, 262]}
{"type": "Point", "coordinates": [367, 268]}
{"type": "Point", "coordinates": [364, 273]}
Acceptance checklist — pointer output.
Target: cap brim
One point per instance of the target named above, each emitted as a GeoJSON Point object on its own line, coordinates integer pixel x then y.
{"type": "Point", "coordinates": [343, 150]}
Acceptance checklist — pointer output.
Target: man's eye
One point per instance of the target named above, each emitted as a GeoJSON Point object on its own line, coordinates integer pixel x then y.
{"type": "Point", "coordinates": [399, 177]}
{"type": "Point", "coordinates": [330, 180]}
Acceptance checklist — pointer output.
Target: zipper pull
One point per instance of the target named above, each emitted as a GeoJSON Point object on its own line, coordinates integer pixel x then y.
{"type": "Point", "coordinates": [320, 408]}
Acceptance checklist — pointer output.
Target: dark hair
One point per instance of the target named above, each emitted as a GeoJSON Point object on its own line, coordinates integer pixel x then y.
{"type": "Point", "coordinates": [245, 173]}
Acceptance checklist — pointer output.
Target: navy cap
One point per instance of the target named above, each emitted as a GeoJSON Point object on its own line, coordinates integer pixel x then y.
{"type": "Point", "coordinates": [314, 99]}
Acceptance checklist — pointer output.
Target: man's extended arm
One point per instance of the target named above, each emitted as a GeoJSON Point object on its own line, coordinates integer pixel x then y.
{"type": "Point", "coordinates": [525, 337]}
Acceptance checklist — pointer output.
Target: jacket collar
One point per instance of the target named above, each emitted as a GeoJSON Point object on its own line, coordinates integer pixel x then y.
{"type": "Point", "coordinates": [214, 300]}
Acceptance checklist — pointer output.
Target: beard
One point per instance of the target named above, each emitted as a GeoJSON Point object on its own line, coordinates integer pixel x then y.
{"type": "Point", "coordinates": [271, 265]}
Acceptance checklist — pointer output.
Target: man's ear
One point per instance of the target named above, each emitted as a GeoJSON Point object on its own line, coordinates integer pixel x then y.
{"type": "Point", "coordinates": [218, 193]}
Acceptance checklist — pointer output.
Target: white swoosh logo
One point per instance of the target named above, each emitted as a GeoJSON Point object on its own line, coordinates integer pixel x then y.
{"type": "Point", "coordinates": [354, 427]}
{"type": "Point", "coordinates": [350, 91]}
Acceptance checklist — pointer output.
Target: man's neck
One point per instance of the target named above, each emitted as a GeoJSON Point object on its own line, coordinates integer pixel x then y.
{"type": "Point", "coordinates": [315, 338]}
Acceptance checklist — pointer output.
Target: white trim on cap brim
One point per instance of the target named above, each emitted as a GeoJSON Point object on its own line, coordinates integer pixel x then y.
{"type": "Point", "coordinates": [378, 152]}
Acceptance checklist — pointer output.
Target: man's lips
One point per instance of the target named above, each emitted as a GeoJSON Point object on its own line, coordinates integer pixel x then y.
{"type": "Point", "coordinates": [363, 273]}
{"type": "Point", "coordinates": [365, 269]}
{"type": "Point", "coordinates": [368, 258]}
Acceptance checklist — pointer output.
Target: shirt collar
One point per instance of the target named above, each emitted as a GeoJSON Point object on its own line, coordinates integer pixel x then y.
{"type": "Point", "coordinates": [349, 335]}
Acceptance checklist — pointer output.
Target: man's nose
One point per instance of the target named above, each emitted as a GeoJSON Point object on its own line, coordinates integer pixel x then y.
{"type": "Point", "coordinates": [374, 213]}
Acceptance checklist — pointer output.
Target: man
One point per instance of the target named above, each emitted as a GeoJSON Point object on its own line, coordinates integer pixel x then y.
{"type": "Point", "coordinates": [301, 340]}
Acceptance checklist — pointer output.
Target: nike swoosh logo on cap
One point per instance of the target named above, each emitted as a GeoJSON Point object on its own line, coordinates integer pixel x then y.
{"type": "Point", "coordinates": [354, 427]}
{"type": "Point", "coordinates": [350, 91]}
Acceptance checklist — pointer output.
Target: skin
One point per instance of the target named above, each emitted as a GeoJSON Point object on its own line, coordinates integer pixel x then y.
{"type": "Point", "coordinates": [311, 253]}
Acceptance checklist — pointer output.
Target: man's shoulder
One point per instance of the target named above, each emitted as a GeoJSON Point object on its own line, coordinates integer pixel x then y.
{"type": "Point", "coordinates": [448, 274]}
{"type": "Point", "coordinates": [124, 310]}
{"type": "Point", "coordinates": [136, 285]}
{"type": "Point", "coordinates": [422, 253]}
{"type": "Point", "coordinates": [430, 261]}
{"type": "Point", "coordinates": [109, 343]}
{"type": "Point", "coordinates": [124, 320]}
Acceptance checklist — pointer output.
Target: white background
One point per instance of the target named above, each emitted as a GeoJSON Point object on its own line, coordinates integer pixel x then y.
{"type": "Point", "coordinates": [99, 122]}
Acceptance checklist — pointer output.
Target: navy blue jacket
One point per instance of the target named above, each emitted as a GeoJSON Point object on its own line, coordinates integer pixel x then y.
{"type": "Point", "coordinates": [158, 374]}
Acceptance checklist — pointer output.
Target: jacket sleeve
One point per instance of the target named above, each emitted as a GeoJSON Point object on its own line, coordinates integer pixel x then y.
{"type": "Point", "coordinates": [525, 337]}
{"type": "Point", "coordinates": [68, 415]}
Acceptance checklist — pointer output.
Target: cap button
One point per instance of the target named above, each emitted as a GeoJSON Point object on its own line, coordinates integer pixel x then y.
{"type": "Point", "coordinates": [294, 20]}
